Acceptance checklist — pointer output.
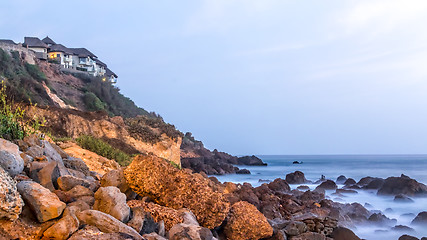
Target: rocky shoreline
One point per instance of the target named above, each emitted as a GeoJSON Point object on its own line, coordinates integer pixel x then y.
{"type": "Point", "coordinates": [47, 194]}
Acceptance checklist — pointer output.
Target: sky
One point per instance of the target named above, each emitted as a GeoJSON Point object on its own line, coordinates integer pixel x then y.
{"type": "Point", "coordinates": [258, 77]}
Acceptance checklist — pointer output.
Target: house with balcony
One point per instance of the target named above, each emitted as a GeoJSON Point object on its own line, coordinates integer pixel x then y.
{"type": "Point", "coordinates": [48, 41]}
{"type": "Point", "coordinates": [84, 60]}
{"type": "Point", "coordinates": [111, 76]}
{"type": "Point", "coordinates": [35, 44]}
{"type": "Point", "coordinates": [100, 68]}
{"type": "Point", "coordinates": [60, 54]}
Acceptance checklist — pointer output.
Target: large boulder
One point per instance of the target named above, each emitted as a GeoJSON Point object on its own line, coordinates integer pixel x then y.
{"type": "Point", "coordinates": [420, 219]}
{"type": "Point", "coordinates": [407, 237]}
{"type": "Point", "coordinates": [279, 185]}
{"type": "Point", "coordinates": [67, 182]}
{"type": "Point", "coordinates": [50, 152]}
{"type": "Point", "coordinates": [184, 231]}
{"type": "Point", "coordinates": [250, 160]}
{"type": "Point", "coordinates": [296, 177]}
{"type": "Point", "coordinates": [402, 185]}
{"type": "Point", "coordinates": [106, 223]}
{"type": "Point", "coordinates": [171, 187]}
{"type": "Point", "coordinates": [309, 236]}
{"type": "Point", "coordinates": [246, 222]}
{"type": "Point", "coordinates": [111, 201]}
{"type": "Point", "coordinates": [342, 233]}
{"type": "Point", "coordinates": [116, 178]}
{"type": "Point", "coordinates": [93, 233]}
{"type": "Point", "coordinates": [327, 185]}
{"type": "Point", "coordinates": [66, 226]}
{"type": "Point", "coordinates": [45, 204]}
{"type": "Point", "coordinates": [10, 201]}
{"type": "Point", "coordinates": [10, 158]}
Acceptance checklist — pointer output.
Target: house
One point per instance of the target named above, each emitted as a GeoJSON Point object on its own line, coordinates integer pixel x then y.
{"type": "Point", "coordinates": [49, 42]}
{"type": "Point", "coordinates": [83, 60]}
{"type": "Point", "coordinates": [60, 54]}
{"type": "Point", "coordinates": [35, 44]}
{"type": "Point", "coordinates": [112, 77]}
{"type": "Point", "coordinates": [7, 41]}
{"type": "Point", "coordinates": [100, 68]}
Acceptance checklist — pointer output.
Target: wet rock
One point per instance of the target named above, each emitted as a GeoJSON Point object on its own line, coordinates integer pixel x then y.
{"type": "Point", "coordinates": [279, 185]}
{"type": "Point", "coordinates": [303, 187]}
{"type": "Point", "coordinates": [309, 236]}
{"type": "Point", "coordinates": [45, 204]}
{"type": "Point", "coordinates": [407, 237]}
{"type": "Point", "coordinates": [159, 213]}
{"type": "Point", "coordinates": [342, 233]}
{"type": "Point", "coordinates": [162, 182]}
{"type": "Point", "coordinates": [10, 201]}
{"type": "Point", "coordinates": [66, 226]}
{"type": "Point", "coordinates": [381, 219]}
{"type": "Point", "coordinates": [93, 233]}
{"type": "Point", "coordinates": [67, 182]}
{"type": "Point", "coordinates": [341, 179]}
{"type": "Point", "coordinates": [403, 228]}
{"type": "Point", "coordinates": [376, 183]}
{"type": "Point", "coordinates": [402, 185]}
{"type": "Point", "coordinates": [153, 236]}
{"type": "Point", "coordinates": [106, 223]}
{"type": "Point", "coordinates": [294, 228]}
{"type": "Point", "coordinates": [296, 177]}
{"type": "Point", "coordinates": [327, 185]}
{"type": "Point", "coordinates": [10, 158]}
{"type": "Point", "coordinates": [184, 231]}
{"type": "Point", "coordinates": [349, 181]}
{"type": "Point", "coordinates": [111, 201]}
{"type": "Point", "coordinates": [250, 160]}
{"type": "Point", "coordinates": [345, 191]}
{"type": "Point", "coordinates": [402, 198]}
{"type": "Point", "coordinates": [243, 171]}
{"type": "Point", "coordinates": [246, 222]}
{"type": "Point", "coordinates": [365, 181]}
{"type": "Point", "coordinates": [420, 219]}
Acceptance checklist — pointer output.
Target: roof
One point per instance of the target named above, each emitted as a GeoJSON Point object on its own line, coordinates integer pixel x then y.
{"type": "Point", "coordinates": [110, 73]}
{"type": "Point", "coordinates": [48, 40]}
{"type": "Point", "coordinates": [82, 52]}
{"type": "Point", "coordinates": [7, 41]}
{"type": "Point", "coordinates": [60, 48]}
{"type": "Point", "coordinates": [100, 63]}
{"type": "Point", "coordinates": [33, 42]}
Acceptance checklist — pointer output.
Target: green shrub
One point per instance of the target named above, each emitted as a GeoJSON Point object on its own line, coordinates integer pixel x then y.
{"type": "Point", "coordinates": [35, 72]}
{"type": "Point", "coordinates": [92, 102]}
{"type": "Point", "coordinates": [104, 149]}
{"type": "Point", "coordinates": [11, 126]}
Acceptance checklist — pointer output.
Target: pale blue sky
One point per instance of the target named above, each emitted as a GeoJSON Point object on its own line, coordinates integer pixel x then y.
{"type": "Point", "coordinates": [258, 77]}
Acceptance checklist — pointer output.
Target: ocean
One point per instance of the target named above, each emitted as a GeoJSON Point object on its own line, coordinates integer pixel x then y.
{"type": "Point", "coordinates": [356, 167]}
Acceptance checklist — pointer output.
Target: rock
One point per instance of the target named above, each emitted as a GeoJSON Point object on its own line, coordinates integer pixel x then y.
{"type": "Point", "coordinates": [296, 177]}
{"type": "Point", "coordinates": [402, 198]}
{"type": "Point", "coordinates": [243, 171]}
{"type": "Point", "coordinates": [345, 191]}
{"type": "Point", "coordinates": [63, 196]}
{"type": "Point", "coordinates": [250, 160]}
{"type": "Point", "coordinates": [45, 204]}
{"type": "Point", "coordinates": [420, 219]}
{"type": "Point", "coordinates": [277, 235]}
{"type": "Point", "coordinates": [341, 179]}
{"type": "Point", "coordinates": [279, 185]}
{"type": "Point", "coordinates": [189, 232]}
{"type": "Point", "coordinates": [32, 140]}
{"type": "Point", "coordinates": [89, 200]}
{"type": "Point", "coordinates": [246, 222]}
{"type": "Point", "coordinates": [50, 152]}
{"type": "Point", "coordinates": [309, 236]}
{"type": "Point", "coordinates": [67, 182]}
{"type": "Point", "coordinates": [303, 187]}
{"type": "Point", "coordinates": [342, 233]}
{"type": "Point", "coordinates": [10, 201]}
{"type": "Point", "coordinates": [349, 181]}
{"type": "Point", "coordinates": [106, 223]}
{"type": "Point", "coordinates": [159, 213]}
{"type": "Point", "coordinates": [171, 187]}
{"type": "Point", "coordinates": [79, 191]}
{"type": "Point", "coordinates": [116, 178]}
{"type": "Point", "coordinates": [35, 151]}
{"type": "Point", "coordinates": [407, 237]}
{"type": "Point", "coordinates": [294, 228]}
{"type": "Point", "coordinates": [76, 164]}
{"type": "Point", "coordinates": [153, 236]}
{"type": "Point", "coordinates": [365, 181]}
{"type": "Point", "coordinates": [111, 201]}
{"type": "Point", "coordinates": [137, 220]}
{"type": "Point", "coordinates": [93, 233]}
{"type": "Point", "coordinates": [403, 228]}
{"type": "Point", "coordinates": [381, 219]}
{"type": "Point", "coordinates": [402, 185]}
{"type": "Point", "coordinates": [327, 185]}
{"type": "Point", "coordinates": [80, 205]}
{"type": "Point", "coordinates": [48, 174]}
{"type": "Point", "coordinates": [10, 158]}
{"type": "Point", "coordinates": [376, 183]}
{"type": "Point", "coordinates": [66, 226]}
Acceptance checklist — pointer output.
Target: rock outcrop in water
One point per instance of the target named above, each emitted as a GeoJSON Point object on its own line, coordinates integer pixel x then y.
{"type": "Point", "coordinates": [402, 185]}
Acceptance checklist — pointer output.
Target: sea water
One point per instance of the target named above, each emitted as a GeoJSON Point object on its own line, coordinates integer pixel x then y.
{"type": "Point", "coordinates": [356, 167]}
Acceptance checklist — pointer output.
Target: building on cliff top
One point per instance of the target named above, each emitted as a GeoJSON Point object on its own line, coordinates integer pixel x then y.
{"type": "Point", "coordinates": [35, 44]}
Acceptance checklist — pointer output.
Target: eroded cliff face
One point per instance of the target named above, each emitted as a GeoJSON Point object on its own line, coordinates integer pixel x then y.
{"type": "Point", "coordinates": [73, 123]}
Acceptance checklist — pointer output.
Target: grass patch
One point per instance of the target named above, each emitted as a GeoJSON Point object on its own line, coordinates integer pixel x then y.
{"type": "Point", "coordinates": [104, 149]}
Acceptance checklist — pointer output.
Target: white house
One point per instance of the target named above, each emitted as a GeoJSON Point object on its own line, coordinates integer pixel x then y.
{"type": "Point", "coordinates": [61, 55]}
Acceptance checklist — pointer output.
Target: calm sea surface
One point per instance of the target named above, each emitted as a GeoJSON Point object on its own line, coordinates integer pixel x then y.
{"type": "Point", "coordinates": [356, 167]}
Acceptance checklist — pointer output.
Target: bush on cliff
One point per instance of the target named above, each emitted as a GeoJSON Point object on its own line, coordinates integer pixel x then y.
{"type": "Point", "coordinates": [104, 149]}
{"type": "Point", "coordinates": [93, 103]}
